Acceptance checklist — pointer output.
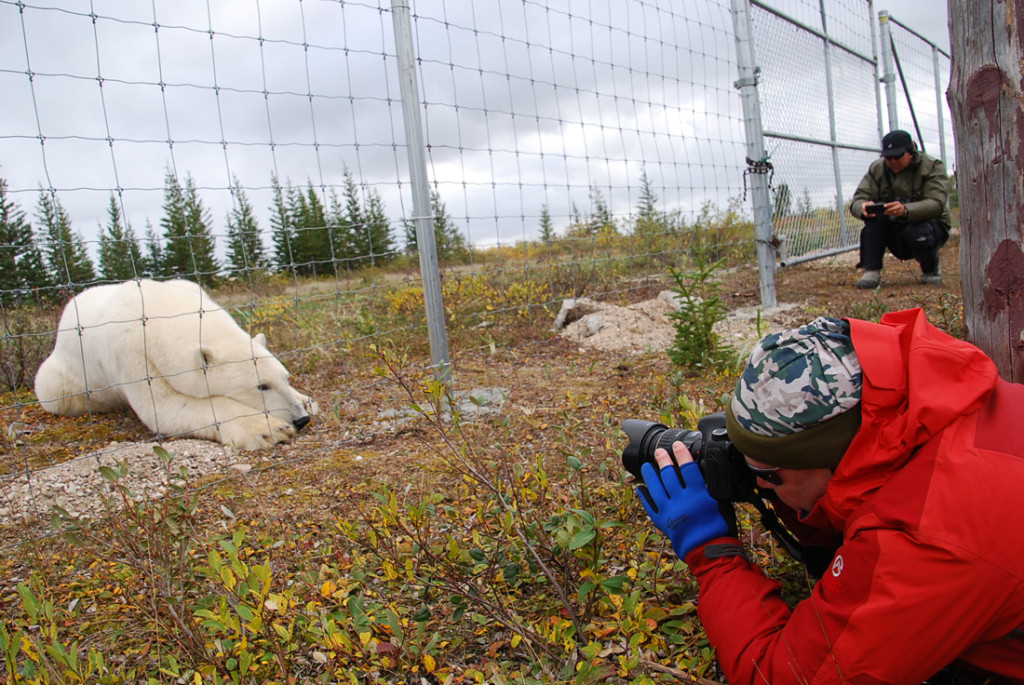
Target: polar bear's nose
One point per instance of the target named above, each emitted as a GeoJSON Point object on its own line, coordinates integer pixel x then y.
{"type": "Point", "coordinates": [300, 423]}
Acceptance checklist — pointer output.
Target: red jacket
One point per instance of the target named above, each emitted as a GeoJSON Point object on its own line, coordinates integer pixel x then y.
{"type": "Point", "coordinates": [929, 499]}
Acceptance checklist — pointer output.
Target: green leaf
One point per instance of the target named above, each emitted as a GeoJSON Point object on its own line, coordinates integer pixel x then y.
{"type": "Point", "coordinates": [582, 538]}
{"type": "Point", "coordinates": [355, 606]}
{"type": "Point", "coordinates": [395, 625]}
{"type": "Point", "coordinates": [108, 473]}
{"type": "Point", "coordinates": [614, 583]}
{"type": "Point", "coordinates": [511, 573]}
{"type": "Point", "coordinates": [29, 601]}
{"type": "Point", "coordinates": [585, 589]}
{"type": "Point", "coordinates": [163, 454]}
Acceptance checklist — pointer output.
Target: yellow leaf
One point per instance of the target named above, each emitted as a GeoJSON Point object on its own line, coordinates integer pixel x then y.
{"type": "Point", "coordinates": [516, 639]}
{"type": "Point", "coordinates": [29, 649]}
{"type": "Point", "coordinates": [428, 663]}
{"type": "Point", "coordinates": [328, 588]}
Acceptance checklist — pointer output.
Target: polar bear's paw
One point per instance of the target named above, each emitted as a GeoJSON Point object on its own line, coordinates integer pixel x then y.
{"type": "Point", "coordinates": [256, 432]}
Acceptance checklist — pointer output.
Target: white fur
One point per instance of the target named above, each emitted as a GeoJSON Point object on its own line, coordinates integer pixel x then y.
{"type": "Point", "coordinates": [177, 359]}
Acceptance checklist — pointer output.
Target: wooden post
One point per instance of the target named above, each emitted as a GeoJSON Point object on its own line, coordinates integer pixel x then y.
{"type": "Point", "coordinates": [985, 98]}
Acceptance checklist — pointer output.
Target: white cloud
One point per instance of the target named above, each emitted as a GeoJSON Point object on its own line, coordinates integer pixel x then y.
{"type": "Point", "coordinates": [526, 103]}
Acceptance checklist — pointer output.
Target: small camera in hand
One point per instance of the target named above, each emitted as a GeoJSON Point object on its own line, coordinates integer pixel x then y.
{"type": "Point", "coordinates": [874, 208]}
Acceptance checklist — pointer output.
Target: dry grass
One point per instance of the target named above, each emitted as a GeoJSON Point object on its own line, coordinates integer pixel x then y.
{"type": "Point", "coordinates": [376, 549]}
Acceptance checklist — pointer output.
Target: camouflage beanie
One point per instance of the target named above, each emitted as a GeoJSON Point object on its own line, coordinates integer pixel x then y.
{"type": "Point", "coordinates": [797, 405]}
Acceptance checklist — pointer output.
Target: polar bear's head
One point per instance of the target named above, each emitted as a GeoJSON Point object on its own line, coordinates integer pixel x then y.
{"type": "Point", "coordinates": [256, 379]}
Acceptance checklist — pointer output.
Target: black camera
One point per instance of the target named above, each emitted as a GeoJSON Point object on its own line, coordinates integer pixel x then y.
{"type": "Point", "coordinates": [724, 468]}
{"type": "Point", "coordinates": [725, 472]}
{"type": "Point", "coordinates": [874, 207]}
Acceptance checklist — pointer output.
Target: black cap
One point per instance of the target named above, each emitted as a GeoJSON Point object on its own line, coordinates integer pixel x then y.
{"type": "Point", "coordinates": [895, 143]}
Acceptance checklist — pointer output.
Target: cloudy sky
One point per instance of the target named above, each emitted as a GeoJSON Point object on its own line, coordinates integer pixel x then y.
{"type": "Point", "coordinates": [527, 104]}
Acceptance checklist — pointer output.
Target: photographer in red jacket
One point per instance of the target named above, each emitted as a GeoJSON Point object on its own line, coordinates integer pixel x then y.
{"type": "Point", "coordinates": [903, 441]}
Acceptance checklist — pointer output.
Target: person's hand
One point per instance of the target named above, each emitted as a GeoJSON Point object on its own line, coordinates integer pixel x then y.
{"type": "Point", "coordinates": [678, 501]}
{"type": "Point", "coordinates": [864, 212]}
{"type": "Point", "coordinates": [896, 209]}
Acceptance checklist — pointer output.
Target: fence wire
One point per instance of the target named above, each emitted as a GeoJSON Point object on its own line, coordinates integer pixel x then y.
{"type": "Point", "coordinates": [258, 149]}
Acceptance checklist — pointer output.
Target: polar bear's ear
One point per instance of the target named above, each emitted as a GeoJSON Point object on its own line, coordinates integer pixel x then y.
{"type": "Point", "coordinates": [205, 356]}
{"type": "Point", "coordinates": [260, 339]}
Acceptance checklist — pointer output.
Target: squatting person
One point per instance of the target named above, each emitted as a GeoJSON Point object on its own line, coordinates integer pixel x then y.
{"type": "Point", "coordinates": [914, 221]}
{"type": "Point", "coordinates": [903, 445]}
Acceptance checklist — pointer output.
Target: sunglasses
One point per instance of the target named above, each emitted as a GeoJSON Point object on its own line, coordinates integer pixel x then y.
{"type": "Point", "coordinates": [768, 475]}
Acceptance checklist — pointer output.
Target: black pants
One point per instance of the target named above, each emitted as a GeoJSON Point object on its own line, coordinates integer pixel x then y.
{"type": "Point", "coordinates": [919, 240]}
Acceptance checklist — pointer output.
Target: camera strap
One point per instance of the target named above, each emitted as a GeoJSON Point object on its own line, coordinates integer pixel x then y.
{"type": "Point", "coordinates": [815, 558]}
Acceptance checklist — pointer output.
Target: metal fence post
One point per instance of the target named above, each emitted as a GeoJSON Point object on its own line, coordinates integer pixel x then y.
{"type": "Point", "coordinates": [423, 219]}
{"type": "Point", "coordinates": [834, 138]}
{"type": "Point", "coordinates": [888, 73]}
{"type": "Point", "coordinates": [757, 156]}
{"type": "Point", "coordinates": [874, 64]}
{"type": "Point", "coordinates": [939, 104]}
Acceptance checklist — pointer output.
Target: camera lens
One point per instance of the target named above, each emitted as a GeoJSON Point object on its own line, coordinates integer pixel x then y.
{"type": "Point", "coordinates": [647, 436]}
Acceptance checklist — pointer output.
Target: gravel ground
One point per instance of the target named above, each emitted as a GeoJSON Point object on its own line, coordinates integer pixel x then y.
{"type": "Point", "coordinates": [77, 485]}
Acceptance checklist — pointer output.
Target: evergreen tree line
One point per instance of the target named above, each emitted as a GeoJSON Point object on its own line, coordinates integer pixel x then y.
{"type": "Point", "coordinates": [647, 220]}
{"type": "Point", "coordinates": [310, 235]}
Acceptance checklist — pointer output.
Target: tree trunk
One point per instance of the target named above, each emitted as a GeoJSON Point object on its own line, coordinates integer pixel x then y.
{"type": "Point", "coordinates": [987, 46]}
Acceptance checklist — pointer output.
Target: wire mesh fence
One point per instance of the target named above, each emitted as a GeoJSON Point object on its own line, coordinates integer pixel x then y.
{"type": "Point", "coordinates": [922, 78]}
{"type": "Point", "coordinates": [821, 126]}
{"type": "Point", "coordinates": [260, 151]}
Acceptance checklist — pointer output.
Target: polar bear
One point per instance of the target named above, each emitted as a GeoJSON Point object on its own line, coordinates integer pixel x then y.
{"type": "Point", "coordinates": [181, 363]}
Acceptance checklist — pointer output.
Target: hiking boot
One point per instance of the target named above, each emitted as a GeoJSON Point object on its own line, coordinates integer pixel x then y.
{"type": "Point", "coordinates": [933, 277]}
{"type": "Point", "coordinates": [869, 280]}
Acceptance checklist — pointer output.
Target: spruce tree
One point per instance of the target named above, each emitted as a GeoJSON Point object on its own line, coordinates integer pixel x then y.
{"type": "Point", "coordinates": [370, 240]}
{"type": "Point", "coordinates": [782, 201]}
{"type": "Point", "coordinates": [448, 240]}
{"type": "Point", "coordinates": [65, 250]}
{"type": "Point", "coordinates": [282, 228]}
{"type": "Point", "coordinates": [547, 229]}
{"type": "Point", "coordinates": [312, 239]}
{"type": "Point", "coordinates": [12, 226]}
{"type": "Point", "coordinates": [177, 253]}
{"type": "Point", "coordinates": [200, 226]}
{"type": "Point", "coordinates": [188, 252]}
{"type": "Point", "coordinates": [245, 246]}
{"type": "Point", "coordinates": [120, 254]}
{"type": "Point", "coordinates": [341, 231]}
{"type": "Point", "coordinates": [380, 238]}
{"type": "Point", "coordinates": [578, 227]}
{"type": "Point", "coordinates": [649, 221]}
{"type": "Point", "coordinates": [21, 264]}
{"type": "Point", "coordinates": [351, 241]}
{"type": "Point", "coordinates": [601, 220]}
{"type": "Point", "coordinates": [153, 262]}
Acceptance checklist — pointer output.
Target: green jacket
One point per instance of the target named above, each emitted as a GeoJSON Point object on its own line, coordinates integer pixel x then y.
{"type": "Point", "coordinates": [922, 187]}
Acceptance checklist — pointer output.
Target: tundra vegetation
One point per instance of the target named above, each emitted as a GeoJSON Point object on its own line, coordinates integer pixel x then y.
{"type": "Point", "coordinates": [435, 547]}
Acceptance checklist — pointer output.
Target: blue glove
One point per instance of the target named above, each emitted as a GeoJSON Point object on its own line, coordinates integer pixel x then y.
{"type": "Point", "coordinates": [683, 511]}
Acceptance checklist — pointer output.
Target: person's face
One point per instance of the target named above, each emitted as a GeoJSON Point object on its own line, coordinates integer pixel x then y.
{"type": "Point", "coordinates": [898, 164]}
{"type": "Point", "coordinates": [799, 488]}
